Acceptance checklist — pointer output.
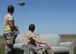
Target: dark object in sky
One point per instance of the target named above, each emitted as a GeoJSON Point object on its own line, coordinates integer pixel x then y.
{"type": "Point", "coordinates": [21, 3]}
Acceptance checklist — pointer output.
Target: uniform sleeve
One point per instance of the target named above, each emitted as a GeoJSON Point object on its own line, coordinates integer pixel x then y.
{"type": "Point", "coordinates": [31, 35]}
{"type": "Point", "coordinates": [10, 17]}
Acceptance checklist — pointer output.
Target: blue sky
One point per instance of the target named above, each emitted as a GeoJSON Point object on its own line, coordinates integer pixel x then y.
{"type": "Point", "coordinates": [49, 16]}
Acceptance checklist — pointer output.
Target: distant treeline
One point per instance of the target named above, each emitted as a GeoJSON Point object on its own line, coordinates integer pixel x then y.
{"type": "Point", "coordinates": [59, 34]}
{"type": "Point", "coordinates": [73, 35]}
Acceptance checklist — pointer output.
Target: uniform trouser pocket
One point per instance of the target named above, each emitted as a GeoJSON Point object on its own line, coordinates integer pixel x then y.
{"type": "Point", "coordinates": [9, 38]}
{"type": "Point", "coordinates": [8, 42]}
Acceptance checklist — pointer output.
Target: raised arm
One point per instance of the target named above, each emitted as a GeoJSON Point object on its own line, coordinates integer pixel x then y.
{"type": "Point", "coordinates": [41, 42]}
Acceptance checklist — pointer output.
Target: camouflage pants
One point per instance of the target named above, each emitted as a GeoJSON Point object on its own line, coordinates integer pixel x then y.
{"type": "Point", "coordinates": [40, 50]}
{"type": "Point", "coordinates": [9, 41]}
{"type": "Point", "coordinates": [9, 49]}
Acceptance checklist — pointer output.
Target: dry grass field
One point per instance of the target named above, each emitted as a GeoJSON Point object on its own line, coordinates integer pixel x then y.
{"type": "Point", "coordinates": [1, 45]}
{"type": "Point", "coordinates": [68, 37]}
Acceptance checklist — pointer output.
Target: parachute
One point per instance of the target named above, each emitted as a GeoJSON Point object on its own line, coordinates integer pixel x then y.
{"type": "Point", "coordinates": [21, 3]}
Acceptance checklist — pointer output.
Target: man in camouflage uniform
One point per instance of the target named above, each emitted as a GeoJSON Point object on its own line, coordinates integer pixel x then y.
{"type": "Point", "coordinates": [31, 39]}
{"type": "Point", "coordinates": [9, 28]}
